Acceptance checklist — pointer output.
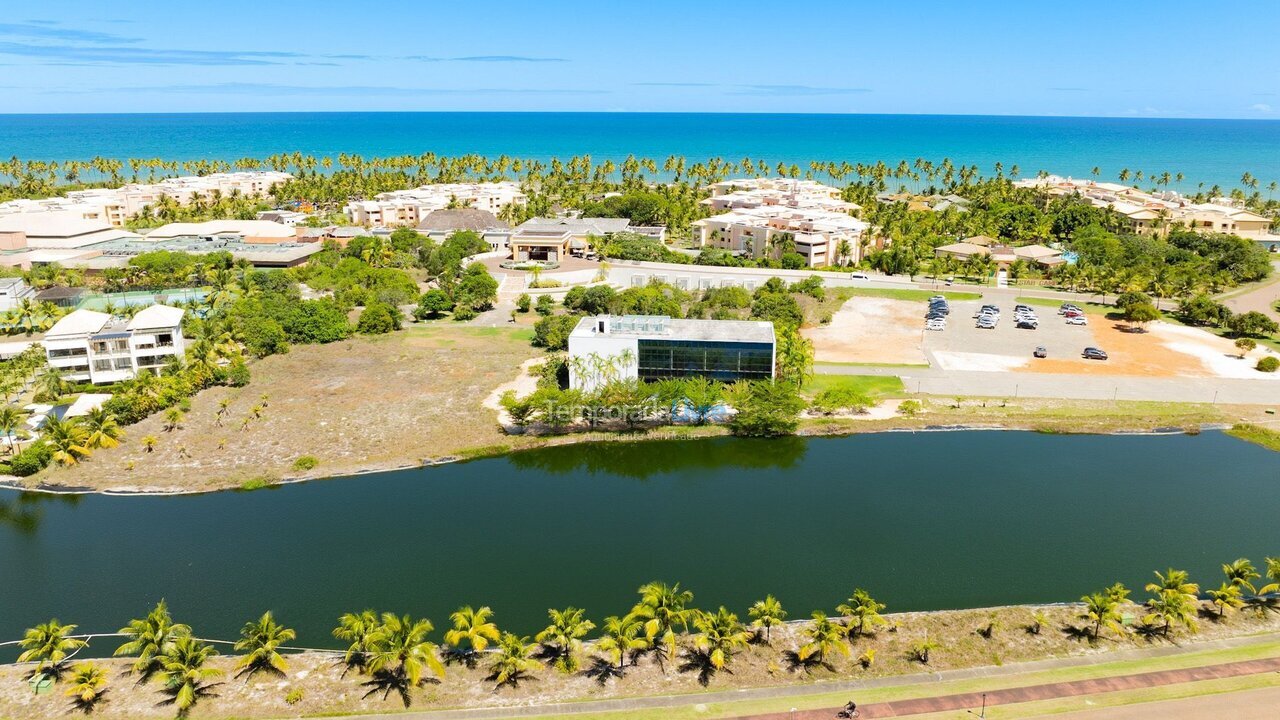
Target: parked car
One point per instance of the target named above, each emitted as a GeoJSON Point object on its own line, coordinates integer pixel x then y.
{"type": "Point", "coordinates": [1027, 325]}
{"type": "Point", "coordinates": [1073, 313]}
{"type": "Point", "coordinates": [1040, 352]}
{"type": "Point", "coordinates": [1067, 307]}
{"type": "Point", "coordinates": [935, 325]}
{"type": "Point", "coordinates": [859, 276]}
{"type": "Point", "coordinates": [1093, 353]}
{"type": "Point", "coordinates": [1077, 320]}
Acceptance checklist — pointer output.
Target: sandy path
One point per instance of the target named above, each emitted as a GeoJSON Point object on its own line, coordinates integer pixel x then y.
{"type": "Point", "coordinates": [871, 330]}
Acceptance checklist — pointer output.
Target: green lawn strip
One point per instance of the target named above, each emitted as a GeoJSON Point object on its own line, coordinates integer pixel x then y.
{"type": "Point", "coordinates": [1256, 434]}
{"type": "Point", "coordinates": [820, 699]}
{"type": "Point", "coordinates": [870, 385]}
{"type": "Point", "coordinates": [901, 293]}
{"type": "Point", "coordinates": [1091, 308]}
{"type": "Point", "coordinates": [824, 363]}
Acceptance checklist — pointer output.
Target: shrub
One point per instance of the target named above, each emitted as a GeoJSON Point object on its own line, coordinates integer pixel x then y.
{"type": "Point", "coordinates": [306, 462]}
{"type": "Point", "coordinates": [841, 398]}
{"type": "Point", "coordinates": [31, 460]}
{"type": "Point", "coordinates": [523, 302]}
{"type": "Point", "coordinates": [464, 313]}
{"type": "Point", "coordinates": [237, 374]}
{"type": "Point", "coordinates": [317, 321]}
{"type": "Point", "coordinates": [378, 319]}
{"type": "Point", "coordinates": [1269, 364]}
{"type": "Point", "coordinates": [257, 483]}
{"type": "Point", "coordinates": [552, 332]}
{"type": "Point", "coordinates": [432, 303]}
{"type": "Point", "coordinates": [780, 308]}
{"type": "Point", "coordinates": [294, 696]}
{"type": "Point", "coordinates": [546, 305]}
{"type": "Point", "coordinates": [768, 409]}
{"type": "Point", "coordinates": [910, 408]}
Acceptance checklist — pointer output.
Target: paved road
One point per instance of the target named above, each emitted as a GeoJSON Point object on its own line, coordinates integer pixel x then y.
{"type": "Point", "coordinates": [1260, 704]}
{"type": "Point", "coordinates": [962, 702]}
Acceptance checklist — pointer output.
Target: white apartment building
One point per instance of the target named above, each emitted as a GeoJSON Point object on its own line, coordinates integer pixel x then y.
{"type": "Point", "coordinates": [116, 205]}
{"type": "Point", "coordinates": [763, 231]}
{"type": "Point", "coordinates": [100, 348]}
{"type": "Point", "coordinates": [12, 292]}
{"type": "Point", "coordinates": [785, 192]}
{"type": "Point", "coordinates": [410, 207]}
{"type": "Point", "coordinates": [1146, 213]}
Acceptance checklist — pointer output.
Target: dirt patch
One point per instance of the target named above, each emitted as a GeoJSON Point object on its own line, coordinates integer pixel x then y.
{"type": "Point", "coordinates": [871, 330]}
{"type": "Point", "coordinates": [1163, 350]}
{"type": "Point", "coordinates": [362, 404]}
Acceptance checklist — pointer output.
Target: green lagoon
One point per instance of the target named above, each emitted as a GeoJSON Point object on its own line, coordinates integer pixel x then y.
{"type": "Point", "coordinates": [924, 521]}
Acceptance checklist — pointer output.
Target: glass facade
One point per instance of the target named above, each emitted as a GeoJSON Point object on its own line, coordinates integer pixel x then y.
{"type": "Point", "coordinates": [659, 359]}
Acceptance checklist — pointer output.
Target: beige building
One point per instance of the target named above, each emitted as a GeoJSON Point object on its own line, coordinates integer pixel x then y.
{"type": "Point", "coordinates": [410, 207]}
{"type": "Point", "coordinates": [552, 239]}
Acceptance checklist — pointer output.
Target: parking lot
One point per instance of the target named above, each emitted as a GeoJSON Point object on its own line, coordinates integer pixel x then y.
{"type": "Point", "coordinates": [1162, 351]}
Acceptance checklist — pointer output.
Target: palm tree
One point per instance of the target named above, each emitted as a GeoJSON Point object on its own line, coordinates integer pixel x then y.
{"type": "Point", "coordinates": [52, 384]}
{"type": "Point", "coordinates": [185, 675]}
{"type": "Point", "coordinates": [150, 638]}
{"type": "Point", "coordinates": [88, 684]}
{"type": "Point", "coordinates": [514, 661]}
{"type": "Point", "coordinates": [661, 608]}
{"type": "Point", "coordinates": [921, 649]}
{"type": "Point", "coordinates": [49, 645]}
{"type": "Point", "coordinates": [863, 609]}
{"type": "Point", "coordinates": [1241, 574]}
{"type": "Point", "coordinates": [10, 421]}
{"type": "Point", "coordinates": [102, 428]}
{"type": "Point", "coordinates": [719, 637]}
{"type": "Point", "coordinates": [1101, 609]}
{"type": "Point", "coordinates": [68, 438]}
{"type": "Point", "coordinates": [1169, 607]}
{"type": "Point", "coordinates": [260, 640]}
{"type": "Point", "coordinates": [360, 630]}
{"type": "Point", "coordinates": [1273, 574]}
{"type": "Point", "coordinates": [1226, 596]}
{"type": "Point", "coordinates": [1176, 581]}
{"type": "Point", "coordinates": [401, 654]}
{"type": "Point", "coordinates": [563, 637]}
{"type": "Point", "coordinates": [474, 629]}
{"type": "Point", "coordinates": [767, 613]}
{"type": "Point", "coordinates": [173, 419]}
{"type": "Point", "coordinates": [149, 442]}
{"type": "Point", "coordinates": [824, 636]}
{"type": "Point", "coordinates": [622, 636]}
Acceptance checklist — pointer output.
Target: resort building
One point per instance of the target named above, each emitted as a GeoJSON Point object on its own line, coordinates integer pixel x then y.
{"type": "Point", "coordinates": [86, 345]}
{"type": "Point", "coordinates": [440, 224]}
{"type": "Point", "coordinates": [552, 239]}
{"type": "Point", "coordinates": [652, 347]}
{"type": "Point", "coordinates": [1001, 254]}
{"type": "Point", "coordinates": [56, 229]}
{"type": "Point", "coordinates": [13, 291]}
{"type": "Point", "coordinates": [114, 206]}
{"type": "Point", "coordinates": [769, 217]}
{"type": "Point", "coordinates": [1154, 214]}
{"type": "Point", "coordinates": [248, 231]}
{"type": "Point", "coordinates": [399, 208]}
{"type": "Point", "coordinates": [785, 192]}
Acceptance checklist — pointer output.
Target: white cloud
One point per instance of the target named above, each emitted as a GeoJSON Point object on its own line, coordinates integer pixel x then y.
{"type": "Point", "coordinates": [1260, 107]}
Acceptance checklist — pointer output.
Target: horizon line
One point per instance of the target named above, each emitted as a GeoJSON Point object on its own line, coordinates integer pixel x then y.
{"type": "Point", "coordinates": [638, 112]}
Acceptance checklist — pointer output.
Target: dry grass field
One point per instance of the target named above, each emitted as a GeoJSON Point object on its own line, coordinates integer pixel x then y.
{"type": "Point", "coordinates": [368, 403]}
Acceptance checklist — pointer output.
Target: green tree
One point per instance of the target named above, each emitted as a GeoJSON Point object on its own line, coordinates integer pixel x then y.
{"type": "Point", "coordinates": [102, 429]}
{"type": "Point", "coordinates": [68, 438]}
{"type": "Point", "coordinates": [400, 654]}
{"type": "Point", "coordinates": [49, 645]}
{"type": "Point", "coordinates": [795, 357]}
{"type": "Point", "coordinates": [823, 638]}
{"type": "Point", "coordinates": [661, 609]}
{"type": "Point", "coordinates": [88, 684]}
{"type": "Point", "coordinates": [150, 638]}
{"type": "Point", "coordinates": [1241, 573]}
{"type": "Point", "coordinates": [622, 636]}
{"type": "Point", "coordinates": [523, 302]}
{"type": "Point", "coordinates": [378, 318]}
{"type": "Point", "coordinates": [768, 614]}
{"type": "Point", "coordinates": [562, 639]}
{"type": "Point", "coordinates": [472, 632]}
{"type": "Point", "coordinates": [719, 636]}
{"type": "Point", "coordinates": [862, 611]}
{"type": "Point", "coordinates": [360, 631]}
{"type": "Point", "coordinates": [1245, 346]}
{"type": "Point", "coordinates": [260, 641]}
{"type": "Point", "coordinates": [768, 410]}
{"type": "Point", "coordinates": [1100, 609]}
{"type": "Point", "coordinates": [514, 661]}
{"type": "Point", "coordinates": [185, 676]}
{"type": "Point", "coordinates": [1227, 596]}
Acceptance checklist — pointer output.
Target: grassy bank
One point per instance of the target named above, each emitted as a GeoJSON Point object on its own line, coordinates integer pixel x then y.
{"type": "Point", "coordinates": [899, 294]}
{"type": "Point", "coordinates": [1256, 434]}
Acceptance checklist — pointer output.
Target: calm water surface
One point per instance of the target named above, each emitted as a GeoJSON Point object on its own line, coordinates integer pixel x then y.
{"type": "Point", "coordinates": [1209, 151]}
{"type": "Point", "coordinates": [925, 521]}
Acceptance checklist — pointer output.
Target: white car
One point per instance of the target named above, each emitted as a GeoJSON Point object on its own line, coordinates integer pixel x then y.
{"type": "Point", "coordinates": [935, 325]}
{"type": "Point", "coordinates": [859, 276]}
{"type": "Point", "coordinates": [1077, 320]}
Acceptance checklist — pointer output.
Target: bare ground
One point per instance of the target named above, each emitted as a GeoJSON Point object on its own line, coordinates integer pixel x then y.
{"type": "Point", "coordinates": [871, 330]}
{"type": "Point", "coordinates": [324, 690]}
{"type": "Point", "coordinates": [358, 405]}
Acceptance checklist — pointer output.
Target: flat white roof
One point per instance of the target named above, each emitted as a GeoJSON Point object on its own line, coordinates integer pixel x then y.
{"type": "Point", "coordinates": [156, 316]}
{"type": "Point", "coordinates": [655, 327]}
{"type": "Point", "coordinates": [78, 322]}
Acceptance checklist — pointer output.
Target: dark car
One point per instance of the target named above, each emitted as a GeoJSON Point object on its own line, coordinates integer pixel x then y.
{"type": "Point", "coordinates": [1093, 353]}
{"type": "Point", "coordinates": [1027, 325]}
{"type": "Point", "coordinates": [1040, 352]}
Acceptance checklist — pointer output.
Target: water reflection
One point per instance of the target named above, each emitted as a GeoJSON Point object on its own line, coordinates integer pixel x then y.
{"type": "Point", "coordinates": [23, 510]}
{"type": "Point", "coordinates": [643, 459]}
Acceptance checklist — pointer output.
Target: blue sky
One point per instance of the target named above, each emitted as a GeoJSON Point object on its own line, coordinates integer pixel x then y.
{"type": "Point", "coordinates": [1162, 59]}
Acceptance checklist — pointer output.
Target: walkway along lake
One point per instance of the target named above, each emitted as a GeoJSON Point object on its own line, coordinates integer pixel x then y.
{"type": "Point", "coordinates": [924, 521]}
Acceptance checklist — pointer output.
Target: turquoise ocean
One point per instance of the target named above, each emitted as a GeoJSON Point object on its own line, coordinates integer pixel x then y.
{"type": "Point", "coordinates": [1205, 151]}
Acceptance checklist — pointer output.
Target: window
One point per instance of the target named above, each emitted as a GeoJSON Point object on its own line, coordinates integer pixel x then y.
{"type": "Point", "coordinates": [658, 359]}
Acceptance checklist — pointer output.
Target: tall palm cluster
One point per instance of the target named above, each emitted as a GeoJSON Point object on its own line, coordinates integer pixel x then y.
{"type": "Point", "coordinates": [29, 317]}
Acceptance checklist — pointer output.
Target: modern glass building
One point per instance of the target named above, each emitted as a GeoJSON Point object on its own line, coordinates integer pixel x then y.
{"type": "Point", "coordinates": [649, 347]}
